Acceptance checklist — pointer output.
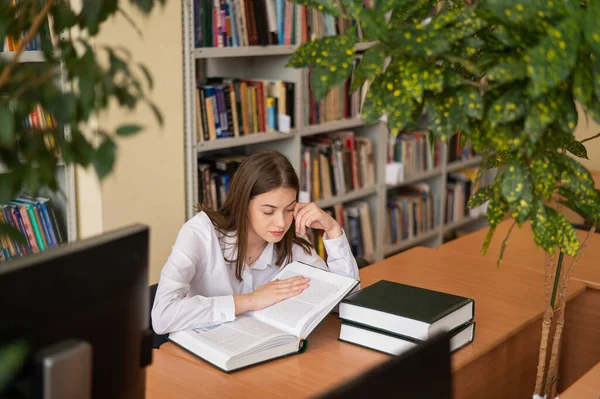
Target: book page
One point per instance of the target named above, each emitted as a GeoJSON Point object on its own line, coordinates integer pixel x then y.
{"type": "Point", "coordinates": [292, 314]}
{"type": "Point", "coordinates": [238, 336]}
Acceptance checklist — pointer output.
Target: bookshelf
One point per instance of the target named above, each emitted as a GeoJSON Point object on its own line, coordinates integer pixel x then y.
{"type": "Point", "coordinates": [268, 62]}
{"type": "Point", "coordinates": [64, 200]}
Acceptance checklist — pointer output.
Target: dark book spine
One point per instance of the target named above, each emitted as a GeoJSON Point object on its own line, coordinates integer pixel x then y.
{"type": "Point", "coordinates": [57, 225]}
{"type": "Point", "coordinates": [262, 25]}
{"type": "Point", "coordinates": [228, 109]}
{"type": "Point", "coordinates": [290, 102]}
{"type": "Point", "coordinates": [205, 131]}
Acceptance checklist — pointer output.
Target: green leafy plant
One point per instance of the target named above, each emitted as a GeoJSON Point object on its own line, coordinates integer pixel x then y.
{"type": "Point", "coordinates": [507, 74]}
{"type": "Point", "coordinates": [31, 154]}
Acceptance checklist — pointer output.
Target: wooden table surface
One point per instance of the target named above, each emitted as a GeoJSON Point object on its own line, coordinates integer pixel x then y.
{"type": "Point", "coordinates": [507, 301]}
{"type": "Point", "coordinates": [521, 251]}
{"type": "Point", "coordinates": [587, 387]}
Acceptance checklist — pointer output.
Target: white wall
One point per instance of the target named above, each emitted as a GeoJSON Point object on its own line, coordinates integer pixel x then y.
{"type": "Point", "coordinates": [147, 184]}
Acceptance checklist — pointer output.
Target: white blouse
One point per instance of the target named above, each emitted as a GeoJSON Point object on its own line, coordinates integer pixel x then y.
{"type": "Point", "coordinates": [197, 284]}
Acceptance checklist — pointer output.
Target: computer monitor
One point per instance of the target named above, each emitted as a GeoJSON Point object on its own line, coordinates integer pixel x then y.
{"type": "Point", "coordinates": [423, 372]}
{"type": "Point", "coordinates": [93, 293]}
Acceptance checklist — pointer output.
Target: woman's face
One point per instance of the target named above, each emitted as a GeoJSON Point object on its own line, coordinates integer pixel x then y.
{"type": "Point", "coordinates": [271, 214]}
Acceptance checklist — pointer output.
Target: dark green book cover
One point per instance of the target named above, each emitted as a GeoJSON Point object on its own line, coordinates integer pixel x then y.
{"type": "Point", "coordinates": [407, 301]}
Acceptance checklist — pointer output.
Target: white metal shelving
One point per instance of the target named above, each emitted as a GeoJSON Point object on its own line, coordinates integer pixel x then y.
{"type": "Point", "coordinates": [269, 62]}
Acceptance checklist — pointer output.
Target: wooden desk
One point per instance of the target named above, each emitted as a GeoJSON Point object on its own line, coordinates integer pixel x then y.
{"type": "Point", "coordinates": [500, 363]}
{"type": "Point", "coordinates": [581, 339]}
{"type": "Point", "coordinates": [521, 251]}
{"type": "Point", "coordinates": [587, 387]}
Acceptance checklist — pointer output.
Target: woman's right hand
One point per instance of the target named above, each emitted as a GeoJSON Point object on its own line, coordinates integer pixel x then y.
{"type": "Point", "coordinates": [278, 290]}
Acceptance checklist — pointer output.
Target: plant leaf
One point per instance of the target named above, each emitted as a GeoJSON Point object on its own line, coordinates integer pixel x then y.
{"type": "Point", "coordinates": [542, 112]}
{"type": "Point", "coordinates": [370, 65]}
{"type": "Point", "coordinates": [468, 65]}
{"type": "Point", "coordinates": [481, 196]}
{"type": "Point", "coordinates": [104, 157]}
{"type": "Point", "coordinates": [577, 149]}
{"type": "Point", "coordinates": [544, 231]}
{"type": "Point", "coordinates": [326, 7]}
{"type": "Point", "coordinates": [513, 181]}
{"type": "Point", "coordinates": [552, 60]}
{"type": "Point", "coordinates": [147, 75]}
{"type": "Point", "coordinates": [544, 176]}
{"type": "Point", "coordinates": [575, 176]}
{"type": "Point", "coordinates": [518, 12]}
{"type": "Point", "coordinates": [419, 42]}
{"type": "Point", "coordinates": [128, 130]}
{"type": "Point", "coordinates": [509, 107]}
{"type": "Point", "coordinates": [7, 127]}
{"type": "Point", "coordinates": [497, 207]}
{"type": "Point", "coordinates": [507, 72]}
{"type": "Point", "coordinates": [157, 113]}
{"type": "Point", "coordinates": [587, 207]}
{"type": "Point", "coordinates": [488, 239]}
{"type": "Point", "coordinates": [503, 245]}
{"type": "Point", "coordinates": [7, 187]}
{"type": "Point", "coordinates": [471, 101]}
{"type": "Point", "coordinates": [12, 358]}
{"type": "Point", "coordinates": [590, 25]}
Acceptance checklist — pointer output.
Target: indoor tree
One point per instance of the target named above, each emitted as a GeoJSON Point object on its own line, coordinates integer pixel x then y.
{"type": "Point", "coordinates": [507, 74]}
{"type": "Point", "coordinates": [95, 76]}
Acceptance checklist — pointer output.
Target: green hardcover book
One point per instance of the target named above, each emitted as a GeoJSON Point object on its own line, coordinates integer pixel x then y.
{"type": "Point", "coordinates": [406, 310]}
{"type": "Point", "coordinates": [395, 344]}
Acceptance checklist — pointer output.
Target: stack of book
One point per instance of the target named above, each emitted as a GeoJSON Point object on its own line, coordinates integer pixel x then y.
{"type": "Point", "coordinates": [393, 318]}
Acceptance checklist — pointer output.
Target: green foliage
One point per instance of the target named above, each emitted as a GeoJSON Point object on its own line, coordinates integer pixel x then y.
{"type": "Point", "coordinates": [504, 73]}
{"type": "Point", "coordinates": [12, 358]}
{"type": "Point", "coordinates": [30, 152]}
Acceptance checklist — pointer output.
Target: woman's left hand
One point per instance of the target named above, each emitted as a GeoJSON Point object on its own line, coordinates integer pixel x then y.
{"type": "Point", "coordinates": [311, 216]}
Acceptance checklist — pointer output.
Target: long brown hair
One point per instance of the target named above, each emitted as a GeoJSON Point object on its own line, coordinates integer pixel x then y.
{"type": "Point", "coordinates": [258, 174]}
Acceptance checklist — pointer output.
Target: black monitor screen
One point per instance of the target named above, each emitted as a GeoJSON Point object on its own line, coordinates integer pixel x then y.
{"type": "Point", "coordinates": [423, 372]}
{"type": "Point", "coordinates": [96, 291]}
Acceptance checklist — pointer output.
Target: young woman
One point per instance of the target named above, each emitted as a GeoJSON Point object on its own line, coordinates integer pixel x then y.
{"type": "Point", "coordinates": [223, 260]}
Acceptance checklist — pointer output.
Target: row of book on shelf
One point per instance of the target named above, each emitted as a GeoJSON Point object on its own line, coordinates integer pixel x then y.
{"type": "Point", "coordinates": [355, 219]}
{"type": "Point", "coordinates": [335, 164]}
{"type": "Point", "coordinates": [234, 107]}
{"type": "Point", "coordinates": [386, 316]}
{"type": "Point", "coordinates": [339, 103]}
{"type": "Point", "coordinates": [36, 220]}
{"type": "Point", "coordinates": [415, 209]}
{"type": "Point", "coordinates": [240, 23]}
{"type": "Point", "coordinates": [43, 35]}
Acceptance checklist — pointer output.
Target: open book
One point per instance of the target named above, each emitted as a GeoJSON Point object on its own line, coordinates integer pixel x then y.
{"type": "Point", "coordinates": [272, 332]}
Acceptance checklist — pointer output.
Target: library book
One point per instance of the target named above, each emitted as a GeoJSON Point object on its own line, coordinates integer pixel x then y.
{"type": "Point", "coordinates": [276, 331]}
{"type": "Point", "coordinates": [406, 310]}
{"type": "Point", "coordinates": [396, 344]}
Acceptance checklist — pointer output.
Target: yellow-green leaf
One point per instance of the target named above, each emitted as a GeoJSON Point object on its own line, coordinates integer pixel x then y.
{"type": "Point", "coordinates": [542, 112]}
{"type": "Point", "coordinates": [497, 207]}
{"type": "Point", "coordinates": [331, 51]}
{"type": "Point", "coordinates": [577, 149]}
{"type": "Point", "coordinates": [370, 65]}
{"type": "Point", "coordinates": [545, 232]}
{"type": "Point", "coordinates": [552, 60]}
{"type": "Point", "coordinates": [508, 107]}
{"type": "Point", "coordinates": [544, 176]}
{"type": "Point", "coordinates": [471, 101]}
{"type": "Point", "coordinates": [507, 72]}
{"type": "Point", "coordinates": [591, 29]}
{"type": "Point", "coordinates": [488, 239]}
{"type": "Point", "coordinates": [480, 197]}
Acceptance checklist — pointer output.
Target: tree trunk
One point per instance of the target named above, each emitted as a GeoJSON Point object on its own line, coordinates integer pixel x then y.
{"type": "Point", "coordinates": [546, 323]}
{"type": "Point", "coordinates": [553, 366]}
